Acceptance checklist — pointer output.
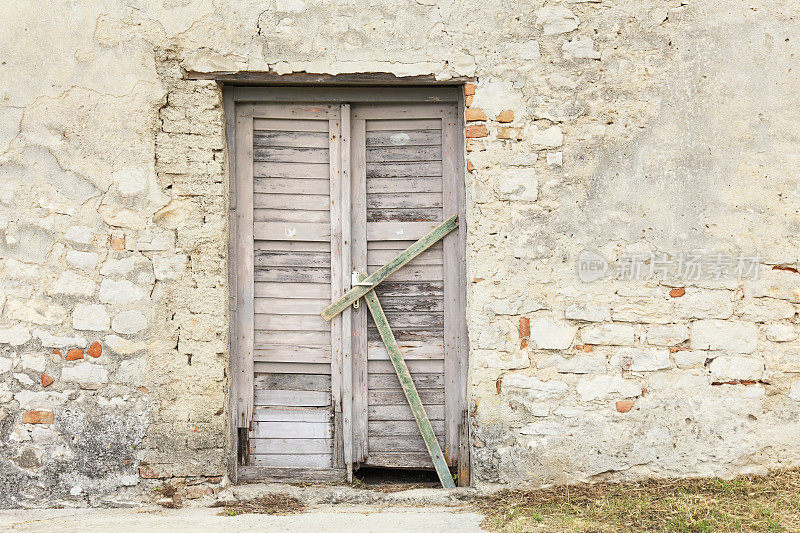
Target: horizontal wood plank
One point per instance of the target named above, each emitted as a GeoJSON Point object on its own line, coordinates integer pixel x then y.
{"type": "Point", "coordinates": [293, 338]}
{"type": "Point", "coordinates": [384, 154]}
{"type": "Point", "coordinates": [409, 288]}
{"type": "Point", "coordinates": [285, 154]}
{"type": "Point", "coordinates": [276, 353]}
{"type": "Point", "coordinates": [269, 258]}
{"type": "Point", "coordinates": [396, 170]}
{"type": "Point", "coordinates": [290, 215]}
{"type": "Point", "coordinates": [403, 125]}
{"type": "Point", "coordinates": [396, 397]}
{"type": "Point", "coordinates": [310, 322]}
{"type": "Point", "coordinates": [265, 289]}
{"type": "Point", "coordinates": [418, 273]}
{"type": "Point", "coordinates": [283, 185]}
{"type": "Point", "coordinates": [421, 381]}
{"type": "Point", "coordinates": [269, 199]}
{"type": "Point", "coordinates": [296, 398]}
{"type": "Point", "coordinates": [284, 126]}
{"type": "Point", "coordinates": [291, 368]}
{"type": "Point", "coordinates": [405, 200]}
{"type": "Point", "coordinates": [265, 474]}
{"type": "Point", "coordinates": [291, 446]}
{"type": "Point", "coordinates": [420, 460]}
{"type": "Point", "coordinates": [292, 275]}
{"type": "Point", "coordinates": [292, 246]}
{"type": "Point", "coordinates": [292, 231]}
{"type": "Point", "coordinates": [306, 306]}
{"type": "Point", "coordinates": [277, 414]}
{"type": "Point", "coordinates": [433, 214]}
{"type": "Point", "coordinates": [400, 443]}
{"type": "Point", "coordinates": [292, 382]}
{"type": "Point", "coordinates": [305, 139]}
{"type": "Point", "coordinates": [398, 231]}
{"type": "Point", "coordinates": [378, 257]}
{"type": "Point", "coordinates": [291, 430]}
{"type": "Point", "coordinates": [402, 412]}
{"type": "Point", "coordinates": [420, 366]}
{"type": "Point", "coordinates": [382, 428]}
{"type": "Point", "coordinates": [408, 137]}
{"type": "Point", "coordinates": [416, 185]}
{"type": "Point", "coordinates": [292, 461]}
{"type": "Point", "coordinates": [263, 169]}
{"type": "Point", "coordinates": [410, 350]}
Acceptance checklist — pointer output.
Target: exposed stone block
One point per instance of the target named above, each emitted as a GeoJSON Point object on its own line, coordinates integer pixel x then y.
{"type": "Point", "coordinates": [668, 335]}
{"type": "Point", "coordinates": [91, 317]}
{"type": "Point", "coordinates": [608, 334]}
{"type": "Point", "coordinates": [129, 322]}
{"type": "Point", "coordinates": [86, 375]}
{"type": "Point", "coordinates": [551, 335]}
{"type": "Point", "coordinates": [556, 19]}
{"type": "Point", "coordinates": [641, 359]}
{"type": "Point", "coordinates": [119, 292]}
{"type": "Point", "coordinates": [736, 367]}
{"type": "Point", "coordinates": [603, 386]}
{"type": "Point", "coordinates": [741, 337]}
{"type": "Point", "coordinates": [587, 312]}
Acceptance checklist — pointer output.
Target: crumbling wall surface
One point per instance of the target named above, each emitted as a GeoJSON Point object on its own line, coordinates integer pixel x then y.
{"type": "Point", "coordinates": [598, 132]}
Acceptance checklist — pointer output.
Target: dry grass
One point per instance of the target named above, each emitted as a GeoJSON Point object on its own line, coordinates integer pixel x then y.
{"type": "Point", "coordinates": [746, 503]}
{"type": "Point", "coordinates": [273, 503]}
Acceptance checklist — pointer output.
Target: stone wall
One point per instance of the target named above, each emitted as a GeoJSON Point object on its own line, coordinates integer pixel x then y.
{"type": "Point", "coordinates": [623, 134]}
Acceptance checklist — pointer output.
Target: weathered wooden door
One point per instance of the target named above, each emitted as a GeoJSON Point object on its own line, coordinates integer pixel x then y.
{"type": "Point", "coordinates": [326, 187]}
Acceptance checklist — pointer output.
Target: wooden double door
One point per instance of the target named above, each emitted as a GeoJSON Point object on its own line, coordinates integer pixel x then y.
{"type": "Point", "coordinates": [330, 184]}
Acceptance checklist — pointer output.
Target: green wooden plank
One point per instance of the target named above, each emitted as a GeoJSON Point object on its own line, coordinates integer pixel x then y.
{"type": "Point", "coordinates": [409, 390]}
{"type": "Point", "coordinates": [386, 270]}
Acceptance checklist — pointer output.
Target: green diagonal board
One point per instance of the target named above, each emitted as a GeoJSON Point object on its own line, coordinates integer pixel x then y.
{"type": "Point", "coordinates": [407, 384]}
{"type": "Point", "coordinates": [386, 270]}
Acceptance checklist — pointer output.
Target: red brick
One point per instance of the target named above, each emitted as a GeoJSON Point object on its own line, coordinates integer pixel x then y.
{"type": "Point", "coordinates": [523, 344]}
{"type": "Point", "coordinates": [73, 354]}
{"type": "Point", "coordinates": [143, 390]}
{"type": "Point", "coordinates": [37, 417]}
{"type": "Point", "coordinates": [470, 166]}
{"type": "Point", "coordinates": [46, 380]}
{"type": "Point", "coordinates": [56, 352]}
{"type": "Point", "coordinates": [677, 293]}
{"type": "Point", "coordinates": [95, 350]}
{"type": "Point", "coordinates": [623, 406]}
{"type": "Point", "coordinates": [468, 100]}
{"type": "Point", "coordinates": [505, 116]}
{"type": "Point", "coordinates": [477, 130]}
{"type": "Point", "coordinates": [475, 115]}
{"type": "Point", "coordinates": [469, 89]}
{"type": "Point", "coordinates": [524, 327]}
{"type": "Point", "coordinates": [117, 243]}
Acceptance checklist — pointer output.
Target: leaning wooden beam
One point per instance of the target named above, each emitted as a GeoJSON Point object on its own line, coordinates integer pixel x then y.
{"type": "Point", "coordinates": [389, 268]}
{"type": "Point", "coordinates": [409, 390]}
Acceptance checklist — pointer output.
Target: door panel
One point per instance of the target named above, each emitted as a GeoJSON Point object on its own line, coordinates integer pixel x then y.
{"type": "Point", "coordinates": [324, 190]}
{"type": "Point", "coordinates": [402, 194]}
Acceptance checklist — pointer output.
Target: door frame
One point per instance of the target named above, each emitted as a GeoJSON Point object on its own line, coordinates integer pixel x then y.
{"type": "Point", "coordinates": [234, 95]}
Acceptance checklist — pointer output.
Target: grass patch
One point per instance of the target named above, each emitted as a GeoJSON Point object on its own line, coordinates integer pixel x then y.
{"type": "Point", "coordinates": [273, 503]}
{"type": "Point", "coordinates": [746, 503]}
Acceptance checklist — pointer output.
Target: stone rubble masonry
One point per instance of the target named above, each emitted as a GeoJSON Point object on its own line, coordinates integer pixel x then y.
{"type": "Point", "coordinates": [589, 126]}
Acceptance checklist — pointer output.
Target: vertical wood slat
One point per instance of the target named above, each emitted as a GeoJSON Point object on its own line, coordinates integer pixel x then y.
{"type": "Point", "coordinates": [229, 108]}
{"type": "Point", "coordinates": [244, 268]}
{"type": "Point", "coordinates": [359, 263]}
{"type": "Point", "coordinates": [452, 300]}
{"type": "Point", "coordinates": [464, 460]}
{"type": "Point", "coordinates": [347, 354]}
{"type": "Point", "coordinates": [334, 134]}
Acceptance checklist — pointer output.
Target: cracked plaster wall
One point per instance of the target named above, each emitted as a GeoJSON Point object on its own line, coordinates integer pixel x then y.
{"type": "Point", "coordinates": [642, 126]}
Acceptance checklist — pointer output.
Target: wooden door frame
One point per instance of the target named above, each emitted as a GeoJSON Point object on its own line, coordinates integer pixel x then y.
{"type": "Point", "coordinates": [339, 95]}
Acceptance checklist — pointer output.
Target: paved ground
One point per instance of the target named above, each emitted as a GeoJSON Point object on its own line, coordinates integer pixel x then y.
{"type": "Point", "coordinates": [361, 518]}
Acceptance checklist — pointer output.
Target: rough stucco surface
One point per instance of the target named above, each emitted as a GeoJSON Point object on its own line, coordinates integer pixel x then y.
{"type": "Point", "coordinates": [638, 126]}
